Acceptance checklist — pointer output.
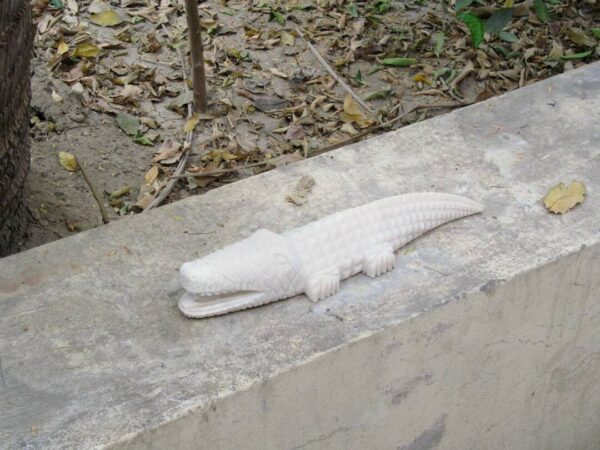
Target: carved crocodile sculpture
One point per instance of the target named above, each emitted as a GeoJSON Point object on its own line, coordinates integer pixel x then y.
{"type": "Point", "coordinates": [313, 258]}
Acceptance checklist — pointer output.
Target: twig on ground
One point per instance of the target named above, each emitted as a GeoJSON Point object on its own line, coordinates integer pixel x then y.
{"type": "Point", "coordinates": [462, 75]}
{"type": "Point", "coordinates": [95, 193]}
{"type": "Point", "coordinates": [332, 72]}
{"type": "Point", "coordinates": [221, 171]}
{"type": "Point", "coordinates": [386, 124]}
{"type": "Point", "coordinates": [60, 236]}
{"type": "Point", "coordinates": [187, 148]}
{"type": "Point", "coordinates": [172, 65]}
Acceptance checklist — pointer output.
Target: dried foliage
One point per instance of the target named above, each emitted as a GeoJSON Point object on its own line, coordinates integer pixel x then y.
{"type": "Point", "coordinates": [270, 101]}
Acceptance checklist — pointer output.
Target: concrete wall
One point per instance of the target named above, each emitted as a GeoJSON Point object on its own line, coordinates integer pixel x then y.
{"type": "Point", "coordinates": [514, 366]}
{"type": "Point", "coordinates": [485, 335]}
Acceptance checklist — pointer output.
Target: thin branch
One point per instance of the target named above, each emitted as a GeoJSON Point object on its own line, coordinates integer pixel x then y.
{"type": "Point", "coordinates": [374, 128]}
{"type": "Point", "coordinates": [60, 236]}
{"type": "Point", "coordinates": [197, 55]}
{"type": "Point", "coordinates": [94, 191]}
{"type": "Point", "coordinates": [221, 171]}
{"type": "Point", "coordinates": [332, 72]}
{"type": "Point", "coordinates": [187, 147]}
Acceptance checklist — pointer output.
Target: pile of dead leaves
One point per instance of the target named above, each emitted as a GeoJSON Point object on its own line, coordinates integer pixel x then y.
{"type": "Point", "coordinates": [271, 103]}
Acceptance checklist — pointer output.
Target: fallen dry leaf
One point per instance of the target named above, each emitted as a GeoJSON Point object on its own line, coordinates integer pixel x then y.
{"type": "Point", "coordinates": [284, 160]}
{"type": "Point", "coordinates": [143, 201]}
{"type": "Point", "coordinates": [287, 38]}
{"type": "Point", "coordinates": [169, 152]}
{"type": "Point", "coordinates": [68, 161]}
{"type": "Point", "coordinates": [107, 18]}
{"type": "Point", "coordinates": [56, 97]}
{"type": "Point", "coordinates": [151, 175]}
{"type": "Point", "coordinates": [348, 128]}
{"type": "Point", "coordinates": [266, 103]}
{"type": "Point", "coordinates": [352, 113]}
{"type": "Point", "coordinates": [294, 132]}
{"type": "Point", "coordinates": [128, 94]}
{"type": "Point", "coordinates": [62, 48]}
{"type": "Point", "coordinates": [278, 73]}
{"type": "Point", "coordinates": [301, 191]}
{"type": "Point", "coordinates": [561, 198]}
{"type": "Point", "coordinates": [191, 123]}
{"type": "Point", "coordinates": [119, 192]}
{"type": "Point", "coordinates": [86, 50]}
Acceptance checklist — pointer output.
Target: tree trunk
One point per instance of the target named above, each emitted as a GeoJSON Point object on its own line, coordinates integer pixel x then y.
{"type": "Point", "coordinates": [16, 40]}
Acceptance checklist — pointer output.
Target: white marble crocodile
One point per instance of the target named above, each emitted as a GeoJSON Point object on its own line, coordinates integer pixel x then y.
{"type": "Point", "coordinates": [313, 258]}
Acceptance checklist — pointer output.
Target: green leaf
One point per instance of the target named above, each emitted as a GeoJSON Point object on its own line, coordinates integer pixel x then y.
{"type": "Point", "coordinates": [499, 20]}
{"type": "Point", "coordinates": [378, 95]}
{"type": "Point", "coordinates": [142, 139]}
{"type": "Point", "coordinates": [440, 72]}
{"type": "Point", "coordinates": [303, 7]}
{"type": "Point", "coordinates": [382, 6]}
{"type": "Point", "coordinates": [128, 123]}
{"type": "Point", "coordinates": [596, 32]}
{"type": "Point", "coordinates": [579, 55]}
{"type": "Point", "coordinates": [460, 4]}
{"type": "Point", "coordinates": [352, 10]}
{"type": "Point", "coordinates": [507, 36]}
{"type": "Point", "coordinates": [438, 43]}
{"type": "Point", "coordinates": [376, 68]}
{"type": "Point", "coordinates": [280, 18]}
{"type": "Point", "coordinates": [359, 78]}
{"type": "Point", "coordinates": [57, 4]}
{"type": "Point", "coordinates": [476, 28]}
{"type": "Point", "coordinates": [399, 62]}
{"type": "Point", "coordinates": [541, 11]}
{"type": "Point", "coordinates": [500, 49]}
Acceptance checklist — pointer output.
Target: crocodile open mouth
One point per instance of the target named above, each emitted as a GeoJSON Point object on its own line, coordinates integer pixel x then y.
{"type": "Point", "coordinates": [215, 303]}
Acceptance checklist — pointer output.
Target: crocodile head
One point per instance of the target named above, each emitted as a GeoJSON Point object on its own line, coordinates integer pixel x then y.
{"type": "Point", "coordinates": [254, 271]}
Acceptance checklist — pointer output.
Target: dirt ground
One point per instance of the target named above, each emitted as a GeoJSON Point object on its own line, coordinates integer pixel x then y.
{"type": "Point", "coordinates": [98, 66]}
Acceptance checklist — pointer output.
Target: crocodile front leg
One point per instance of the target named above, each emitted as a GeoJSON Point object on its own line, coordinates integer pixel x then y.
{"type": "Point", "coordinates": [322, 284]}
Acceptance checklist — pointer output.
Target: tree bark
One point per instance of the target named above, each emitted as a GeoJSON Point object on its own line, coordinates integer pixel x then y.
{"type": "Point", "coordinates": [16, 40]}
{"type": "Point", "coordinates": [197, 55]}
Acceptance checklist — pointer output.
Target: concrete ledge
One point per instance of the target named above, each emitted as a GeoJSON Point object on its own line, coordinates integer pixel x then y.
{"type": "Point", "coordinates": [484, 336]}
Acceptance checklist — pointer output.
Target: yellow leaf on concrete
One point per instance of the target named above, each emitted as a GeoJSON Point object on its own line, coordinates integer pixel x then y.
{"type": "Point", "coordinates": [352, 113]}
{"type": "Point", "coordinates": [561, 198]}
{"type": "Point", "coordinates": [68, 161]}
{"type": "Point", "coordinates": [107, 18]}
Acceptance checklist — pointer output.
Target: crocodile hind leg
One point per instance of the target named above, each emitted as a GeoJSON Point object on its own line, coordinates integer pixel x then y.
{"type": "Point", "coordinates": [322, 284]}
{"type": "Point", "coordinates": [379, 260]}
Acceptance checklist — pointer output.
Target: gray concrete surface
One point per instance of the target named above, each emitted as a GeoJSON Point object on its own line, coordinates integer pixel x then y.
{"type": "Point", "coordinates": [485, 336]}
